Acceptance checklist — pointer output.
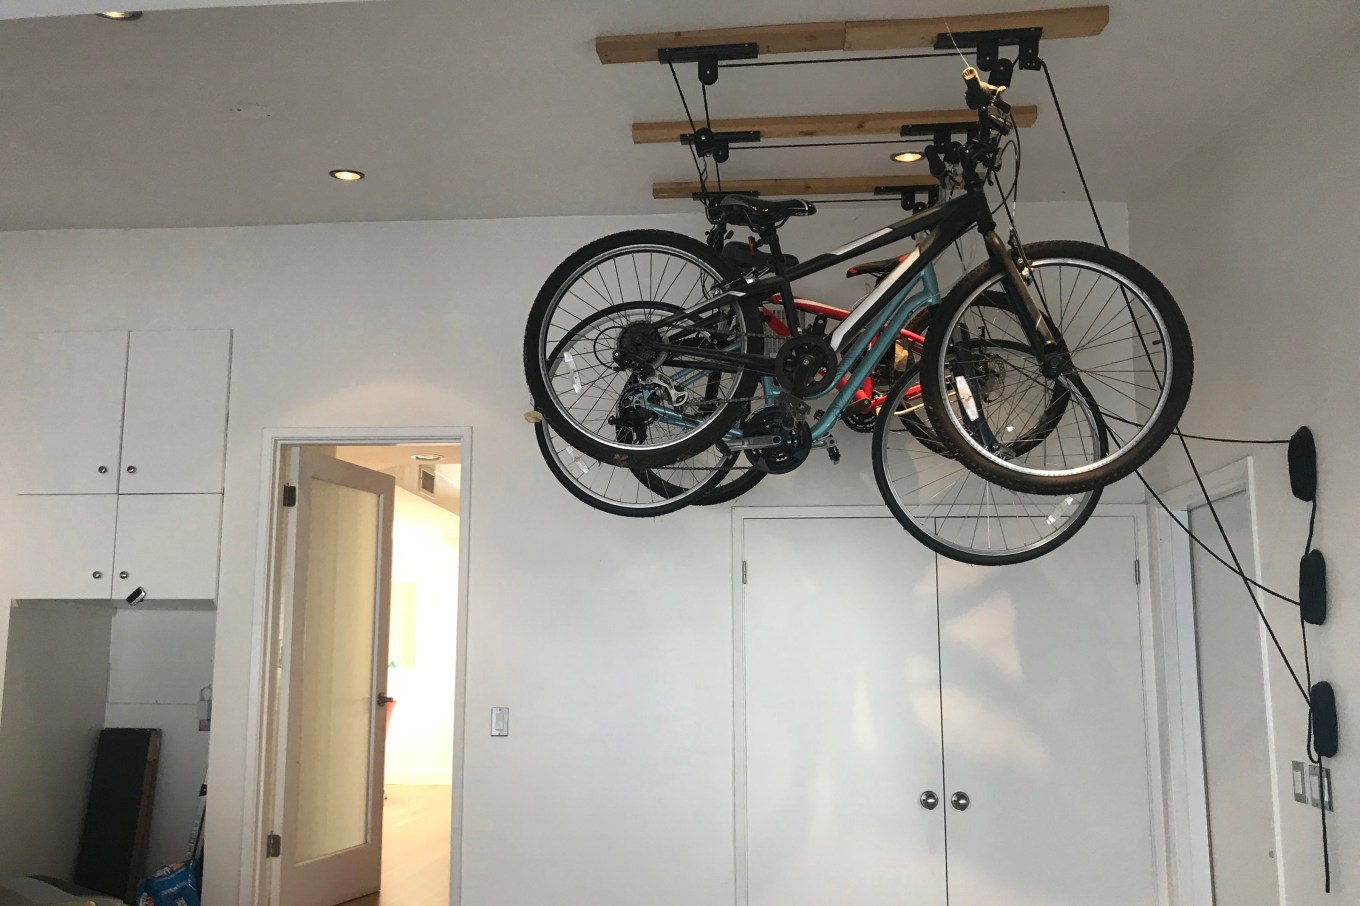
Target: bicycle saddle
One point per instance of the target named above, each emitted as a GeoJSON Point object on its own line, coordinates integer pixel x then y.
{"type": "Point", "coordinates": [876, 269]}
{"type": "Point", "coordinates": [763, 211]}
{"type": "Point", "coordinates": [743, 256]}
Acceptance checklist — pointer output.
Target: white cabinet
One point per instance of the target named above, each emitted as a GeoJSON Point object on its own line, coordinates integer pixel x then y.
{"type": "Point", "coordinates": [113, 412]}
{"type": "Point", "coordinates": [71, 417]}
{"type": "Point", "coordinates": [167, 544]}
{"type": "Point", "coordinates": [97, 546]}
{"type": "Point", "coordinates": [64, 546]}
{"type": "Point", "coordinates": [175, 415]}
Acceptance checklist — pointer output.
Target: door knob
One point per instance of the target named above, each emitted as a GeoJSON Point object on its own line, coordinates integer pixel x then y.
{"type": "Point", "coordinates": [960, 801]}
{"type": "Point", "coordinates": [384, 699]}
{"type": "Point", "coordinates": [929, 800]}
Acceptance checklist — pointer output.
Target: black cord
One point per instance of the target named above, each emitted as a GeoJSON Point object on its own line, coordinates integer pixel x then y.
{"type": "Point", "coordinates": [1223, 533]}
{"type": "Point", "coordinates": [1313, 757]}
{"type": "Point", "coordinates": [1236, 566]}
{"type": "Point", "coordinates": [895, 56]}
{"type": "Point", "coordinates": [701, 170]}
{"type": "Point", "coordinates": [878, 141]}
{"type": "Point", "coordinates": [708, 124]}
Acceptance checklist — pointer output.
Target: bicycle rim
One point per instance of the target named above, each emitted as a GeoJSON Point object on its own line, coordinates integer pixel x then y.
{"type": "Point", "coordinates": [1121, 354]}
{"type": "Point", "coordinates": [954, 511]}
{"type": "Point", "coordinates": [633, 284]}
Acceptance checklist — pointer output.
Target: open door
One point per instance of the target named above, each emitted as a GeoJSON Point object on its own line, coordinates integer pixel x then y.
{"type": "Point", "coordinates": [333, 684]}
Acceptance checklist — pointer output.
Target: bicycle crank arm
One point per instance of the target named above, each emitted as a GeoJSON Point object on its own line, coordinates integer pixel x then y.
{"type": "Point", "coordinates": [754, 442]}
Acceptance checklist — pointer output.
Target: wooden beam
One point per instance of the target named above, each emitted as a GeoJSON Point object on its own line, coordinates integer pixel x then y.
{"type": "Point", "coordinates": [811, 185]}
{"type": "Point", "coordinates": [894, 34]}
{"type": "Point", "coordinates": [794, 38]}
{"type": "Point", "coordinates": [873, 34]}
{"type": "Point", "coordinates": [836, 124]}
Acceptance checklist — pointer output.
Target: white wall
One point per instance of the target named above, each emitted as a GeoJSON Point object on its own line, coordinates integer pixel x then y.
{"type": "Point", "coordinates": [159, 660]}
{"type": "Point", "coordinates": [56, 677]}
{"type": "Point", "coordinates": [1255, 234]}
{"type": "Point", "coordinates": [615, 785]}
{"type": "Point", "coordinates": [425, 555]}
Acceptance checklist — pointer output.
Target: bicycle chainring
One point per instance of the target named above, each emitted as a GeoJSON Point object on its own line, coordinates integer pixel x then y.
{"type": "Point", "coordinates": [795, 439]}
{"type": "Point", "coordinates": [806, 366]}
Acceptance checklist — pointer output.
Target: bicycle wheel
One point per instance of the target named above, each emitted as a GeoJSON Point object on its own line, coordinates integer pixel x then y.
{"type": "Point", "coordinates": [601, 315]}
{"type": "Point", "coordinates": [621, 491]}
{"type": "Point", "coordinates": [952, 510]}
{"type": "Point", "coordinates": [1123, 344]}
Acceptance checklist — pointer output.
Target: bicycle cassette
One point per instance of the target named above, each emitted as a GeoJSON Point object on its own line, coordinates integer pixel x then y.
{"type": "Point", "coordinates": [793, 436]}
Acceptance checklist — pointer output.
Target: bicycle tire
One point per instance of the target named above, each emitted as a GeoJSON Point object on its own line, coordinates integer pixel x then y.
{"type": "Point", "coordinates": [596, 445]}
{"type": "Point", "coordinates": [671, 497]}
{"type": "Point", "coordinates": [1176, 388]}
{"type": "Point", "coordinates": [931, 536]}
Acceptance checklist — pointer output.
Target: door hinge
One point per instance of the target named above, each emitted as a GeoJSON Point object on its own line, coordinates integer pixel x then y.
{"type": "Point", "coordinates": [273, 846]}
{"type": "Point", "coordinates": [743, 572]}
{"type": "Point", "coordinates": [290, 495]}
{"type": "Point", "coordinates": [1137, 572]}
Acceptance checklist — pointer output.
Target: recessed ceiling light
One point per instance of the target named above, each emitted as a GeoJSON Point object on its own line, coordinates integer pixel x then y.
{"type": "Point", "coordinates": [427, 457]}
{"type": "Point", "coordinates": [347, 175]}
{"type": "Point", "coordinates": [121, 15]}
{"type": "Point", "coordinates": [907, 157]}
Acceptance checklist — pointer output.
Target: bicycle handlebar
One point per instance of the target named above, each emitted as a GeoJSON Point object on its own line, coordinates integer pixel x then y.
{"type": "Point", "coordinates": [980, 95]}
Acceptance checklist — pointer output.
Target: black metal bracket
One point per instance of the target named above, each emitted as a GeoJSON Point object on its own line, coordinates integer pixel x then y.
{"type": "Point", "coordinates": [718, 145]}
{"type": "Point", "coordinates": [944, 148]}
{"type": "Point", "coordinates": [989, 43]}
{"type": "Point", "coordinates": [708, 57]}
{"type": "Point", "coordinates": [911, 196]}
{"type": "Point", "coordinates": [713, 197]}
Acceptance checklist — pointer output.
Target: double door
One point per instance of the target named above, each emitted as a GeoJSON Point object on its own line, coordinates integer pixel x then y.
{"type": "Point", "coordinates": [920, 731]}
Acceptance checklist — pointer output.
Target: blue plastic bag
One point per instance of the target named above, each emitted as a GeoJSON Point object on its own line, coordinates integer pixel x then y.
{"type": "Point", "coordinates": [173, 885]}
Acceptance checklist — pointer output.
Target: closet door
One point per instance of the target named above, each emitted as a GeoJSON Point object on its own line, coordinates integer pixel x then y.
{"type": "Point", "coordinates": [63, 546]}
{"type": "Point", "coordinates": [71, 416]}
{"type": "Point", "coordinates": [837, 629]}
{"type": "Point", "coordinates": [1045, 727]}
{"type": "Point", "coordinates": [168, 544]}
{"type": "Point", "coordinates": [174, 433]}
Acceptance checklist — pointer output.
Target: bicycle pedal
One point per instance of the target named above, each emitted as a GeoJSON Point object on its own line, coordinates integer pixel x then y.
{"type": "Point", "coordinates": [833, 451]}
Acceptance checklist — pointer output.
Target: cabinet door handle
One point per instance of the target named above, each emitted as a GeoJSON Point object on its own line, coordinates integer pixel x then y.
{"type": "Point", "coordinates": [123, 574]}
{"type": "Point", "coordinates": [960, 801]}
{"type": "Point", "coordinates": [103, 470]}
{"type": "Point", "coordinates": [929, 800]}
{"type": "Point", "coordinates": [97, 574]}
{"type": "Point", "coordinates": [131, 470]}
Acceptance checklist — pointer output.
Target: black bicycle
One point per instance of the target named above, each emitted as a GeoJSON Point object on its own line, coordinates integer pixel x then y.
{"type": "Point", "coordinates": [1051, 368]}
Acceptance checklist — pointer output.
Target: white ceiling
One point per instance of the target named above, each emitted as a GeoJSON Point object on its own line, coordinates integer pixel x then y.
{"type": "Point", "coordinates": [29, 9]}
{"type": "Point", "coordinates": [493, 108]}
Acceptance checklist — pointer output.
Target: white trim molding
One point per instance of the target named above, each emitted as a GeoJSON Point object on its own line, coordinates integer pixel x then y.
{"type": "Point", "coordinates": [257, 819]}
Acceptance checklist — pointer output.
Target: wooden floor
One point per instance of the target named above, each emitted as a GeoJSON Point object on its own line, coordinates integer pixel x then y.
{"type": "Point", "coordinates": [415, 859]}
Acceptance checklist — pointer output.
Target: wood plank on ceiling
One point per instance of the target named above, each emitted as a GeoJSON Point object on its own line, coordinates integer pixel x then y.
{"type": "Point", "coordinates": [812, 185]}
{"type": "Point", "coordinates": [820, 126]}
{"type": "Point", "coordinates": [872, 34]}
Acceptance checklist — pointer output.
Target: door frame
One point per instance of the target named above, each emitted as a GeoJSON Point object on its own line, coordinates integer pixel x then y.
{"type": "Point", "coordinates": [1152, 688]}
{"type": "Point", "coordinates": [1186, 791]}
{"type": "Point", "coordinates": [266, 615]}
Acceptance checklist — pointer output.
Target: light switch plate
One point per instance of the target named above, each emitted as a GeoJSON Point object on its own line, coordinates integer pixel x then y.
{"type": "Point", "coordinates": [500, 721]}
{"type": "Point", "coordinates": [1300, 782]}
{"type": "Point", "coordinates": [1320, 787]}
